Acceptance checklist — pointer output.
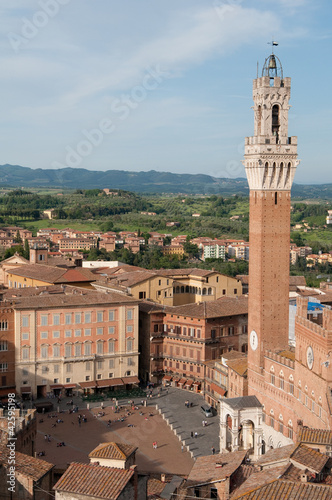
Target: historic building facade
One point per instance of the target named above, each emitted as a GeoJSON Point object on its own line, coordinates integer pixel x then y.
{"type": "Point", "coordinates": [291, 387]}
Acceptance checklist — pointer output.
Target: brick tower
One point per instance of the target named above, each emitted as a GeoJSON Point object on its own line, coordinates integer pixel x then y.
{"type": "Point", "coordinates": [270, 163]}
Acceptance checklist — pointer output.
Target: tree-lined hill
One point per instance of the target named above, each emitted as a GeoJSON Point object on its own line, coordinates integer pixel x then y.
{"type": "Point", "coordinates": [140, 182]}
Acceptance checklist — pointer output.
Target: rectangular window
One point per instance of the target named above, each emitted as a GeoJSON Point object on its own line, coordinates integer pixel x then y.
{"type": "Point", "coordinates": [110, 375]}
{"type": "Point", "coordinates": [68, 333]}
{"type": "Point", "coordinates": [231, 330]}
{"type": "Point", "coordinates": [44, 352]}
{"type": "Point", "coordinates": [87, 332]}
{"type": "Point", "coordinates": [129, 329]}
{"type": "Point", "coordinates": [142, 295]}
{"type": "Point", "coordinates": [100, 365]}
{"type": "Point", "coordinates": [56, 368]}
{"type": "Point", "coordinates": [78, 350]}
{"type": "Point", "coordinates": [100, 331]}
{"type": "Point", "coordinates": [99, 376]}
{"type": "Point", "coordinates": [55, 381]}
{"type": "Point", "coordinates": [130, 314]}
{"type": "Point", "coordinates": [68, 319]}
{"type": "Point", "coordinates": [43, 335]}
{"type": "Point", "coordinates": [111, 363]}
{"type": "Point", "coordinates": [87, 317]}
{"type": "Point", "coordinates": [56, 334]}
{"type": "Point", "coordinates": [111, 315]}
{"type": "Point", "coordinates": [272, 422]}
{"type": "Point", "coordinates": [111, 348]}
{"type": "Point", "coordinates": [87, 349]}
{"type": "Point", "coordinates": [129, 345]}
{"type": "Point", "coordinates": [78, 318]}
{"type": "Point", "coordinates": [25, 336]}
{"type": "Point", "coordinates": [25, 372]}
{"type": "Point", "coordinates": [111, 330]}
{"type": "Point", "coordinates": [56, 319]}
{"type": "Point", "coordinates": [68, 367]}
{"type": "Point", "coordinates": [198, 333]}
{"type": "Point", "coordinates": [87, 378]}
{"type": "Point", "coordinates": [67, 351]}
{"type": "Point", "coordinates": [25, 321]}
{"type": "Point", "coordinates": [100, 316]}
{"type": "Point", "coordinates": [78, 333]}
{"type": "Point", "coordinates": [130, 362]}
{"type": "Point", "coordinates": [3, 367]}
{"type": "Point", "coordinates": [44, 320]}
{"type": "Point", "coordinates": [25, 353]}
{"type": "Point", "coordinates": [68, 380]}
{"type": "Point", "coordinates": [184, 330]}
{"type": "Point", "coordinates": [56, 351]}
{"type": "Point", "coordinates": [100, 347]}
{"type": "Point", "coordinates": [87, 366]}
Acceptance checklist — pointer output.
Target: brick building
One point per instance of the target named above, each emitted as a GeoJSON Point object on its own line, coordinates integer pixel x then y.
{"type": "Point", "coordinates": [7, 350]}
{"type": "Point", "coordinates": [286, 388]}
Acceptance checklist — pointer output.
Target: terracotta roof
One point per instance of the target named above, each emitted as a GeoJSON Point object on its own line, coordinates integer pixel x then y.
{"type": "Point", "coordinates": [315, 436]}
{"type": "Point", "coordinates": [225, 306]}
{"type": "Point", "coordinates": [34, 468]}
{"type": "Point", "coordinates": [276, 455]}
{"type": "Point", "coordinates": [309, 458]}
{"type": "Point", "coordinates": [185, 272]}
{"type": "Point", "coordinates": [240, 366]}
{"type": "Point", "coordinates": [51, 274]}
{"type": "Point", "coordinates": [215, 467]}
{"type": "Point", "coordinates": [125, 268]}
{"type": "Point", "coordinates": [115, 451]}
{"type": "Point", "coordinates": [297, 281]}
{"type": "Point", "coordinates": [286, 490]}
{"type": "Point", "coordinates": [62, 296]}
{"type": "Point", "coordinates": [259, 479]}
{"type": "Point", "coordinates": [94, 480]}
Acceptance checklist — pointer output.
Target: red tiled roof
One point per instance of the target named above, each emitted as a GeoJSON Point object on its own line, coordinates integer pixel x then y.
{"type": "Point", "coordinates": [286, 490]}
{"type": "Point", "coordinates": [315, 436]}
{"type": "Point", "coordinates": [94, 481]}
{"type": "Point", "coordinates": [34, 468]}
{"type": "Point", "coordinates": [309, 458]}
{"type": "Point", "coordinates": [225, 306]}
{"type": "Point", "coordinates": [215, 467]}
{"type": "Point", "coordinates": [115, 451]}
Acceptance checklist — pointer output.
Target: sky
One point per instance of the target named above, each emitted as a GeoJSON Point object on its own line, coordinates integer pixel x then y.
{"type": "Point", "coordinates": [158, 85]}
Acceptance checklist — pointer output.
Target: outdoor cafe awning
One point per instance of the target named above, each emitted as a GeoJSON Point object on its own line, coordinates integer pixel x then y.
{"type": "Point", "coordinates": [69, 386]}
{"type": "Point", "coordinates": [56, 386]}
{"type": "Point", "coordinates": [130, 380]}
{"type": "Point", "coordinates": [90, 384]}
{"type": "Point", "coordinates": [25, 390]}
{"type": "Point", "coordinates": [182, 381]}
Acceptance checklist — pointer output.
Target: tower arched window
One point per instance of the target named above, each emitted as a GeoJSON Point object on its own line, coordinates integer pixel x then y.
{"type": "Point", "coordinates": [259, 120]}
{"type": "Point", "coordinates": [275, 122]}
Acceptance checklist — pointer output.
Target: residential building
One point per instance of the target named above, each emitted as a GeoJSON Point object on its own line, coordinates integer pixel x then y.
{"type": "Point", "coordinates": [196, 333]}
{"type": "Point", "coordinates": [69, 339]}
{"type": "Point", "coordinates": [118, 455]}
{"type": "Point", "coordinates": [32, 275]}
{"type": "Point", "coordinates": [7, 350]}
{"type": "Point", "coordinates": [91, 481]}
{"type": "Point", "coordinates": [32, 478]}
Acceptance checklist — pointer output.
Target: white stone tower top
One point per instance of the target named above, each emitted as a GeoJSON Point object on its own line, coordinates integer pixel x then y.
{"type": "Point", "coordinates": [271, 155]}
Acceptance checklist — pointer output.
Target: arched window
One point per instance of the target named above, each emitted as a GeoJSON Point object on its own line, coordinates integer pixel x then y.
{"type": "Point", "coordinates": [290, 429]}
{"type": "Point", "coordinates": [259, 120]}
{"type": "Point", "coordinates": [291, 385]}
{"type": "Point", "coordinates": [210, 291]}
{"type": "Point", "coordinates": [275, 121]}
{"type": "Point", "coordinates": [272, 376]}
{"type": "Point", "coordinates": [204, 291]}
{"type": "Point", "coordinates": [281, 380]}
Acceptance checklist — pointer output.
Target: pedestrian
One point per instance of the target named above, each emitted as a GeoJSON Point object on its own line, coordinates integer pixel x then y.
{"type": "Point", "coordinates": [213, 450]}
{"type": "Point", "coordinates": [49, 438]}
{"type": "Point", "coordinates": [196, 434]}
{"type": "Point", "coordinates": [192, 434]}
{"type": "Point", "coordinates": [182, 448]}
{"type": "Point", "coordinates": [45, 437]}
{"type": "Point", "coordinates": [203, 423]}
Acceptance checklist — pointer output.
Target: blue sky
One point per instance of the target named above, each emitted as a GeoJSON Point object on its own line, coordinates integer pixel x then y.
{"type": "Point", "coordinates": [158, 85]}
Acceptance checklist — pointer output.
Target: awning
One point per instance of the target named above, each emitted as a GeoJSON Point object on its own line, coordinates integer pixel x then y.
{"type": "Point", "coordinates": [91, 384]}
{"type": "Point", "coordinates": [25, 390]}
{"type": "Point", "coordinates": [130, 380]}
{"type": "Point", "coordinates": [167, 377]}
{"type": "Point", "coordinates": [107, 382]}
{"type": "Point", "coordinates": [182, 381]}
{"type": "Point", "coordinates": [69, 386]}
{"type": "Point", "coordinates": [56, 386]}
{"type": "Point", "coordinates": [115, 381]}
{"type": "Point", "coordinates": [219, 390]}
{"type": "Point", "coordinates": [189, 383]}
{"type": "Point", "coordinates": [196, 382]}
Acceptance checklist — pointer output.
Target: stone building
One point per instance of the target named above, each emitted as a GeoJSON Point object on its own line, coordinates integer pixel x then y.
{"type": "Point", "coordinates": [69, 339]}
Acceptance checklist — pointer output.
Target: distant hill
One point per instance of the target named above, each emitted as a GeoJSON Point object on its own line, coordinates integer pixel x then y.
{"type": "Point", "coordinates": [142, 182]}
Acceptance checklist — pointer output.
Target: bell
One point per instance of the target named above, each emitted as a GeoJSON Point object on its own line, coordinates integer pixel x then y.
{"type": "Point", "coordinates": [272, 63]}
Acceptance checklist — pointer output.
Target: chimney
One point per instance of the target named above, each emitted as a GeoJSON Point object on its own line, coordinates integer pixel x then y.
{"type": "Point", "coordinates": [134, 468]}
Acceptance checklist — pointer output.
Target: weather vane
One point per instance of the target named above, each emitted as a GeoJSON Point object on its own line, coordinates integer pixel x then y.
{"type": "Point", "coordinates": [273, 43]}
